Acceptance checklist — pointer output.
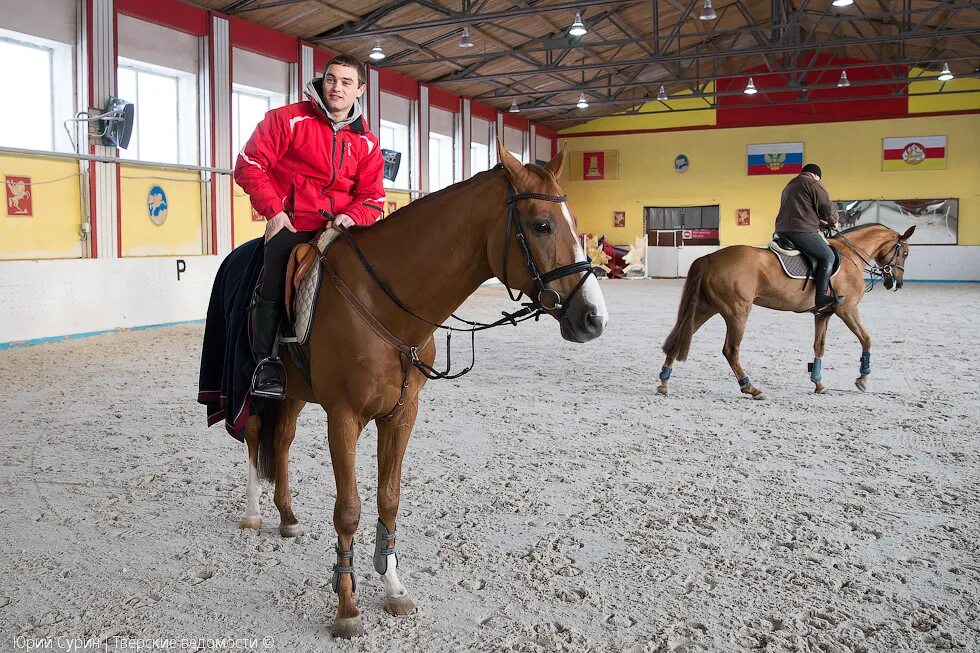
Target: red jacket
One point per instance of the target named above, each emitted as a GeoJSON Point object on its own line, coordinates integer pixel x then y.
{"type": "Point", "coordinates": [298, 161]}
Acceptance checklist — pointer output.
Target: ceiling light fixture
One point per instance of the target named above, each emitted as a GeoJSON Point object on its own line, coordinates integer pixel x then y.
{"type": "Point", "coordinates": [376, 52]}
{"type": "Point", "coordinates": [842, 3]}
{"type": "Point", "coordinates": [464, 40]}
{"type": "Point", "coordinates": [750, 88]}
{"type": "Point", "coordinates": [707, 11]}
{"type": "Point", "coordinates": [582, 102]}
{"type": "Point", "coordinates": [513, 107]}
{"type": "Point", "coordinates": [843, 82]}
{"type": "Point", "coordinates": [945, 75]}
{"type": "Point", "coordinates": [662, 94]}
{"type": "Point", "coordinates": [578, 27]}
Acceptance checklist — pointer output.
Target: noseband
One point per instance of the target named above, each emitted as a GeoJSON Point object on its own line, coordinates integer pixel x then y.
{"type": "Point", "coordinates": [541, 281]}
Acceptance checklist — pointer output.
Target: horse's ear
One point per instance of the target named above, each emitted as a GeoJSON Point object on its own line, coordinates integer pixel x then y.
{"type": "Point", "coordinates": [514, 168]}
{"type": "Point", "coordinates": [908, 234]}
{"type": "Point", "coordinates": [556, 164]}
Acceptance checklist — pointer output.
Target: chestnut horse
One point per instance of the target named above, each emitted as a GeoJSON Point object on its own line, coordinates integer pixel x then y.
{"type": "Point", "coordinates": [371, 347]}
{"type": "Point", "coordinates": [732, 279]}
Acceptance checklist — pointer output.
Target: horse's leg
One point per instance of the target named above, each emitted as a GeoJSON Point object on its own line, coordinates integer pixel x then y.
{"type": "Point", "coordinates": [852, 319]}
{"type": "Point", "coordinates": [703, 315]}
{"type": "Point", "coordinates": [820, 323]}
{"type": "Point", "coordinates": [393, 438]}
{"type": "Point", "coordinates": [343, 430]}
{"type": "Point", "coordinates": [735, 323]}
{"type": "Point", "coordinates": [252, 518]}
{"type": "Point", "coordinates": [289, 526]}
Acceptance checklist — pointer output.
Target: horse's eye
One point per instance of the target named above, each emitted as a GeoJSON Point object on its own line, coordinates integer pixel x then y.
{"type": "Point", "coordinates": [542, 226]}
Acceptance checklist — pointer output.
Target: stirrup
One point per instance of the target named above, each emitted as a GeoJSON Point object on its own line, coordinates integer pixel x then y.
{"type": "Point", "coordinates": [828, 305]}
{"type": "Point", "coordinates": [262, 368]}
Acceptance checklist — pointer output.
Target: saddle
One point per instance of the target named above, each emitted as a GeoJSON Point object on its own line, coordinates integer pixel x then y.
{"type": "Point", "coordinates": [303, 277]}
{"type": "Point", "coordinates": [797, 264]}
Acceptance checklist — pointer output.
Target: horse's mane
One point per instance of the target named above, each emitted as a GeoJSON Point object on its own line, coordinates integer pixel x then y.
{"type": "Point", "coordinates": [865, 226]}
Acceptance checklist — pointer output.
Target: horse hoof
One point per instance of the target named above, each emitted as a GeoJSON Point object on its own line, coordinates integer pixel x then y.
{"type": "Point", "coordinates": [254, 523]}
{"type": "Point", "coordinates": [347, 627]}
{"type": "Point", "coordinates": [820, 390]}
{"type": "Point", "coordinates": [291, 530]}
{"type": "Point", "coordinates": [758, 396]}
{"type": "Point", "coordinates": [662, 390]}
{"type": "Point", "coordinates": [399, 605]}
{"type": "Point", "coordinates": [861, 385]}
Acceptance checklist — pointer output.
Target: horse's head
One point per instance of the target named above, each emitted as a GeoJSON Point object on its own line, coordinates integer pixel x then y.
{"type": "Point", "coordinates": [891, 259]}
{"type": "Point", "coordinates": [542, 256]}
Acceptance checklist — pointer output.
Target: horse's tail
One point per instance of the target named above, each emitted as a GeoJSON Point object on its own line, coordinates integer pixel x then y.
{"type": "Point", "coordinates": [679, 341]}
{"type": "Point", "coordinates": [269, 418]}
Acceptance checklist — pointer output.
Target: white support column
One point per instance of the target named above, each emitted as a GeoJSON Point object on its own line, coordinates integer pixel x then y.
{"type": "Point", "coordinates": [306, 72]}
{"type": "Point", "coordinates": [103, 85]}
{"type": "Point", "coordinates": [374, 101]}
{"type": "Point", "coordinates": [497, 129]}
{"type": "Point", "coordinates": [424, 138]}
{"type": "Point", "coordinates": [81, 128]}
{"type": "Point", "coordinates": [204, 151]}
{"type": "Point", "coordinates": [295, 89]}
{"type": "Point", "coordinates": [221, 104]}
{"type": "Point", "coordinates": [465, 137]}
{"type": "Point", "coordinates": [532, 143]}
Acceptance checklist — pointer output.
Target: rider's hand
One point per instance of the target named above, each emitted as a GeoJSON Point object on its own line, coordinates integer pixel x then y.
{"type": "Point", "coordinates": [342, 220]}
{"type": "Point", "coordinates": [279, 222]}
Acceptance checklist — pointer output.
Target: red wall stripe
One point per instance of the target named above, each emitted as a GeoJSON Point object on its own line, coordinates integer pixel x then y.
{"type": "Point", "coordinates": [443, 99]}
{"type": "Point", "coordinates": [177, 15]}
{"type": "Point", "coordinates": [392, 82]}
{"type": "Point", "coordinates": [261, 40]}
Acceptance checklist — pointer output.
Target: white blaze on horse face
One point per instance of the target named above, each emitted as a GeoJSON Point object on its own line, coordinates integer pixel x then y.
{"type": "Point", "coordinates": [591, 290]}
{"type": "Point", "coordinates": [393, 586]}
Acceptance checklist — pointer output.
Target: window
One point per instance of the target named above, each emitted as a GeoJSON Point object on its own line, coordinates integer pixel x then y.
{"type": "Point", "coordinates": [260, 83]}
{"type": "Point", "coordinates": [442, 162]}
{"type": "Point", "coordinates": [39, 71]}
{"type": "Point", "coordinates": [542, 149]}
{"type": "Point", "coordinates": [248, 108]}
{"type": "Point", "coordinates": [514, 143]}
{"type": "Point", "coordinates": [479, 145]}
{"type": "Point", "coordinates": [157, 72]}
{"type": "Point", "coordinates": [396, 134]}
{"type": "Point", "coordinates": [696, 225]}
{"type": "Point", "coordinates": [395, 137]}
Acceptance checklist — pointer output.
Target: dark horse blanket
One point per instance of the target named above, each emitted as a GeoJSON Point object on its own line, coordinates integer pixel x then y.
{"type": "Point", "coordinates": [227, 363]}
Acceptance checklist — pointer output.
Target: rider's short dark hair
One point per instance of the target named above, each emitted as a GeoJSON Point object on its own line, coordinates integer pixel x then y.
{"type": "Point", "coordinates": [351, 62]}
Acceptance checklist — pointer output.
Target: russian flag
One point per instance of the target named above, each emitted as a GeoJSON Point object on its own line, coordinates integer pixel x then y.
{"type": "Point", "coordinates": [776, 159]}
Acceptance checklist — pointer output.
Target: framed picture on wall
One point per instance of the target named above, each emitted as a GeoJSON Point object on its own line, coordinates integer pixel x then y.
{"type": "Point", "coordinates": [619, 219]}
{"type": "Point", "coordinates": [743, 217]}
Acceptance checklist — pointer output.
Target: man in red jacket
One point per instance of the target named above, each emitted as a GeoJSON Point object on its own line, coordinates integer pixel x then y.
{"type": "Point", "coordinates": [307, 166]}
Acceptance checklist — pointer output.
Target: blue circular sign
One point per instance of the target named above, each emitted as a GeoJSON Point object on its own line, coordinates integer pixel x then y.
{"type": "Point", "coordinates": [681, 163]}
{"type": "Point", "coordinates": [156, 205]}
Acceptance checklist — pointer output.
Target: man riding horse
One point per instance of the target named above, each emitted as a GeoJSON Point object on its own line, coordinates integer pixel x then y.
{"type": "Point", "coordinates": [307, 166]}
{"type": "Point", "coordinates": [804, 208]}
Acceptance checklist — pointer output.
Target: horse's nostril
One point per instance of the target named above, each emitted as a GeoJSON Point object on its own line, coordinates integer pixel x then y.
{"type": "Point", "coordinates": [594, 321]}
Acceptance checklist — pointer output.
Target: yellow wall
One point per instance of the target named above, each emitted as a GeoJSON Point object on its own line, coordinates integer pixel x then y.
{"type": "Point", "coordinates": [848, 153]}
{"type": "Point", "coordinates": [181, 232]}
{"type": "Point", "coordinates": [245, 228]}
{"type": "Point", "coordinates": [53, 231]}
{"type": "Point", "coordinates": [673, 113]}
{"type": "Point", "coordinates": [953, 98]}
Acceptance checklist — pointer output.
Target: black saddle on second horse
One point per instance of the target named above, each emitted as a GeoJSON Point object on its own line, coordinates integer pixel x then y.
{"type": "Point", "coordinates": [795, 263]}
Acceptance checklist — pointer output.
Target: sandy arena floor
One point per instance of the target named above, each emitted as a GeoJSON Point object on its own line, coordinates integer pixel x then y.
{"type": "Point", "coordinates": [551, 500]}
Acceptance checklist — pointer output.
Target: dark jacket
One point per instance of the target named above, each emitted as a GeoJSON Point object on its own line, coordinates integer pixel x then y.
{"type": "Point", "coordinates": [804, 206]}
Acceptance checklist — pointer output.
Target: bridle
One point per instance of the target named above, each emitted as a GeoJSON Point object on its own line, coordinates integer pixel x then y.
{"type": "Point", "coordinates": [541, 281]}
{"type": "Point", "coordinates": [875, 271]}
{"type": "Point", "coordinates": [531, 309]}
